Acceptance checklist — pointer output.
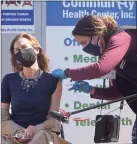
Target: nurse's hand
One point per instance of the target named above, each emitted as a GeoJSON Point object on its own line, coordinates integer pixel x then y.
{"type": "Point", "coordinates": [59, 73]}
{"type": "Point", "coordinates": [81, 86]}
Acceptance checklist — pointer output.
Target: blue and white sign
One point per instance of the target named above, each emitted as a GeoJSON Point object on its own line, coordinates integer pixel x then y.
{"type": "Point", "coordinates": [67, 13]}
{"type": "Point", "coordinates": [17, 16]}
{"type": "Point", "coordinates": [65, 52]}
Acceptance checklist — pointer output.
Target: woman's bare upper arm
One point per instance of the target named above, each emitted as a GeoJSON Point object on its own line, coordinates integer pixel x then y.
{"type": "Point", "coordinates": [56, 97]}
{"type": "Point", "coordinates": [5, 106]}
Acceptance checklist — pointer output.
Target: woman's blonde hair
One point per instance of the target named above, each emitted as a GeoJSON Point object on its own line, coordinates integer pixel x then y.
{"type": "Point", "coordinates": [43, 60]}
{"type": "Point", "coordinates": [94, 25]}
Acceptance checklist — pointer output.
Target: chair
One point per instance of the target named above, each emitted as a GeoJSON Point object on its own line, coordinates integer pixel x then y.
{"type": "Point", "coordinates": [62, 132]}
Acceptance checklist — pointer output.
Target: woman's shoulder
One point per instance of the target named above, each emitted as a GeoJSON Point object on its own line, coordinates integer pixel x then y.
{"type": "Point", "coordinates": [50, 79]}
{"type": "Point", "coordinates": [50, 76]}
{"type": "Point", "coordinates": [10, 75]}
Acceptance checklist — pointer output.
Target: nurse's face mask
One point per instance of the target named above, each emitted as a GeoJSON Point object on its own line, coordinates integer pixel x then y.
{"type": "Point", "coordinates": [92, 49]}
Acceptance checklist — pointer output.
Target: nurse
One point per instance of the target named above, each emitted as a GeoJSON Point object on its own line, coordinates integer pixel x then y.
{"type": "Point", "coordinates": [100, 36]}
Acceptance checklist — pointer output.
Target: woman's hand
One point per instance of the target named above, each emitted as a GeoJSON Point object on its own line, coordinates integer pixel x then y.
{"type": "Point", "coordinates": [23, 140]}
{"type": "Point", "coordinates": [29, 133]}
{"type": "Point", "coordinates": [81, 86]}
{"type": "Point", "coordinates": [19, 138]}
{"type": "Point", "coordinates": [32, 130]}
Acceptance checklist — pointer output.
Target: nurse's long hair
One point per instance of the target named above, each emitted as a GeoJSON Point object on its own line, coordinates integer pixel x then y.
{"type": "Point", "coordinates": [94, 25]}
{"type": "Point", "coordinates": [43, 60]}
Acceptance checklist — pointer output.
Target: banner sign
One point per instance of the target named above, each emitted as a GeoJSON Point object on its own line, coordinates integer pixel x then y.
{"type": "Point", "coordinates": [67, 13]}
{"type": "Point", "coordinates": [17, 16]}
{"type": "Point", "coordinates": [65, 52]}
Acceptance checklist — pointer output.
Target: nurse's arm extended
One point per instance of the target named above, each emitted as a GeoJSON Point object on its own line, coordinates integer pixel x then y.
{"type": "Point", "coordinates": [116, 49]}
{"type": "Point", "coordinates": [110, 93]}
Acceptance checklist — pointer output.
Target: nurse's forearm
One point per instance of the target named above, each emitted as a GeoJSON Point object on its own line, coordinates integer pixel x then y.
{"type": "Point", "coordinates": [87, 72]}
{"type": "Point", "coordinates": [117, 47]}
{"type": "Point", "coordinates": [110, 93]}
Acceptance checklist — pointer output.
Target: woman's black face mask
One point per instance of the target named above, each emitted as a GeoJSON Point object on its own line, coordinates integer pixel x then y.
{"type": "Point", "coordinates": [26, 57]}
{"type": "Point", "coordinates": [92, 49]}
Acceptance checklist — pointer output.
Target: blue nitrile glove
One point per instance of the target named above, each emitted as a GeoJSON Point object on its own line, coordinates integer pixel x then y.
{"type": "Point", "coordinates": [60, 74]}
{"type": "Point", "coordinates": [81, 86]}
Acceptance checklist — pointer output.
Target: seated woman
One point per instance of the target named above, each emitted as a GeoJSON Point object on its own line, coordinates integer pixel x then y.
{"type": "Point", "coordinates": [32, 92]}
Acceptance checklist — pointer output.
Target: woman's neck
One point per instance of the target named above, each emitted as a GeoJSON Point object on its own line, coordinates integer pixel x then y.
{"type": "Point", "coordinates": [32, 71]}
